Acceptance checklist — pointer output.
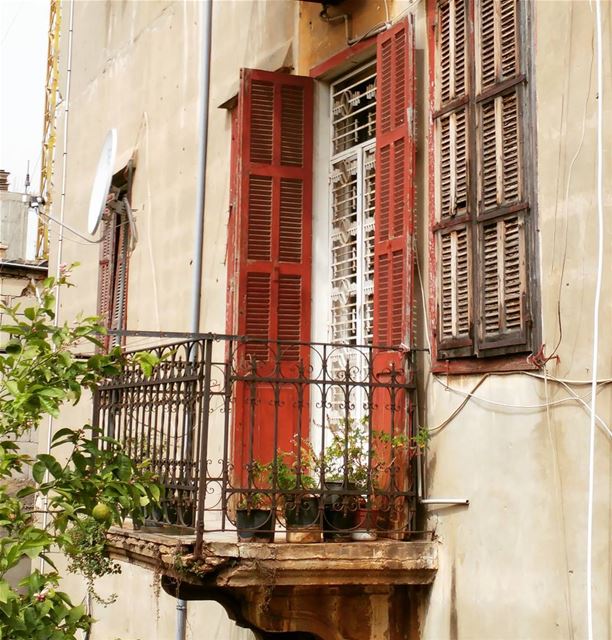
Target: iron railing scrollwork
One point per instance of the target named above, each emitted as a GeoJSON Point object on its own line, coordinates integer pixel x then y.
{"type": "Point", "coordinates": [318, 436]}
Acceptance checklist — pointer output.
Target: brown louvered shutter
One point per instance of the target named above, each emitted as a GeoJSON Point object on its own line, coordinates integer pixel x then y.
{"type": "Point", "coordinates": [503, 310]}
{"type": "Point", "coordinates": [106, 272]}
{"type": "Point", "coordinates": [274, 201]}
{"type": "Point", "coordinates": [394, 207]}
{"type": "Point", "coordinates": [453, 185]}
{"type": "Point", "coordinates": [120, 285]}
{"type": "Point", "coordinates": [481, 207]}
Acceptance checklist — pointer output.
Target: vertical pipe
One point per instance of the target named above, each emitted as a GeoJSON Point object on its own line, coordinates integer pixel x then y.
{"type": "Point", "coordinates": [205, 43]}
{"type": "Point", "coordinates": [205, 47]}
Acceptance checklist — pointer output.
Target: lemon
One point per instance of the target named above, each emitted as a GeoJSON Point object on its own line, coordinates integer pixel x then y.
{"type": "Point", "coordinates": [101, 512]}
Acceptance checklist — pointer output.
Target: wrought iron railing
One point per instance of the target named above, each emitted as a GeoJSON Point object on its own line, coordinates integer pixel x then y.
{"type": "Point", "coordinates": [312, 439]}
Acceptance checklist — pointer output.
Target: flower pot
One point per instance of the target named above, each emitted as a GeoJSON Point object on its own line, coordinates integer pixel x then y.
{"type": "Point", "coordinates": [302, 519]}
{"type": "Point", "coordinates": [339, 512]}
{"type": "Point", "coordinates": [255, 525]}
{"type": "Point", "coordinates": [366, 520]}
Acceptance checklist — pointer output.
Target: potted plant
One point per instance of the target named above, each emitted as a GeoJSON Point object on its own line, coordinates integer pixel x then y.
{"type": "Point", "coordinates": [292, 474]}
{"type": "Point", "coordinates": [358, 464]}
{"type": "Point", "coordinates": [255, 519]}
{"type": "Point", "coordinates": [345, 462]}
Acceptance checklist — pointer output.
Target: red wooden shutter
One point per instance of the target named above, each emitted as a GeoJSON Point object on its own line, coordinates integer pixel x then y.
{"type": "Point", "coordinates": [393, 254]}
{"type": "Point", "coordinates": [394, 210]}
{"type": "Point", "coordinates": [274, 200]}
{"type": "Point", "coordinates": [395, 151]}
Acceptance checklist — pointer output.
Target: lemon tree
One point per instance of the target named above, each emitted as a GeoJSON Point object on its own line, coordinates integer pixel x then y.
{"type": "Point", "coordinates": [74, 497]}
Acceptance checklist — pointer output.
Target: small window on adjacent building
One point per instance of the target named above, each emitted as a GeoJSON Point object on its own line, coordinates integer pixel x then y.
{"type": "Point", "coordinates": [483, 208]}
{"type": "Point", "coordinates": [114, 256]}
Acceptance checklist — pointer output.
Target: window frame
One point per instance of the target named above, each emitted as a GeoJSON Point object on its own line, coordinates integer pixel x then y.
{"type": "Point", "coordinates": [466, 357]}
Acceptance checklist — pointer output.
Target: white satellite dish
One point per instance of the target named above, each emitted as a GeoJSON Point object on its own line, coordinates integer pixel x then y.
{"type": "Point", "coordinates": [102, 181]}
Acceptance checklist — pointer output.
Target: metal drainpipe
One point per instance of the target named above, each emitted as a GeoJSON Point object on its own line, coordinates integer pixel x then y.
{"type": "Point", "coordinates": [205, 44]}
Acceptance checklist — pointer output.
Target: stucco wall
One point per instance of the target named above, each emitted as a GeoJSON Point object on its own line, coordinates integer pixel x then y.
{"type": "Point", "coordinates": [512, 564]}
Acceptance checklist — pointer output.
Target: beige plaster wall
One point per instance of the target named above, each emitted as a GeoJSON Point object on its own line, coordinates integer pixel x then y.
{"type": "Point", "coordinates": [135, 66]}
{"type": "Point", "coordinates": [512, 564]}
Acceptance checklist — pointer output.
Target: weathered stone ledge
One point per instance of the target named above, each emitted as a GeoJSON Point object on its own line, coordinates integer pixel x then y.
{"type": "Point", "coordinates": [224, 563]}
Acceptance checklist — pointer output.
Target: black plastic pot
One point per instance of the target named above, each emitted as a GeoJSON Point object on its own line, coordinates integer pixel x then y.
{"type": "Point", "coordinates": [255, 525]}
{"type": "Point", "coordinates": [302, 513]}
{"type": "Point", "coordinates": [339, 512]}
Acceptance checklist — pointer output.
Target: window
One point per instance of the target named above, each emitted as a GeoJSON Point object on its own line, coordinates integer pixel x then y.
{"type": "Point", "coordinates": [352, 177]}
{"type": "Point", "coordinates": [270, 229]}
{"type": "Point", "coordinates": [114, 256]}
{"type": "Point", "coordinates": [483, 204]}
{"type": "Point", "coordinates": [352, 184]}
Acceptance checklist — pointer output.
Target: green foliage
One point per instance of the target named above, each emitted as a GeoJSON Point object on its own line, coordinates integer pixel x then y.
{"type": "Point", "coordinates": [365, 457]}
{"type": "Point", "coordinates": [294, 469]}
{"type": "Point", "coordinates": [39, 373]}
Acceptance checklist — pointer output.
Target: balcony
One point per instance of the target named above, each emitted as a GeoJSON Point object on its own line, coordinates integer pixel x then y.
{"type": "Point", "coordinates": [286, 467]}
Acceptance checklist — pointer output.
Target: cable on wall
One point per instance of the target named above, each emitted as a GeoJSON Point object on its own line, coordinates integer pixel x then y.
{"type": "Point", "coordinates": [596, 306]}
{"type": "Point", "coordinates": [60, 240]}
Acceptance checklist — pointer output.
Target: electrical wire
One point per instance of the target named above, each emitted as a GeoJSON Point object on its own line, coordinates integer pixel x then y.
{"type": "Point", "coordinates": [596, 307]}
{"type": "Point", "coordinates": [566, 200]}
{"type": "Point", "coordinates": [558, 484]}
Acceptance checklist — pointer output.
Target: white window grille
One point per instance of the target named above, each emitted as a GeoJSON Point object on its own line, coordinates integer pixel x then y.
{"type": "Point", "coordinates": [352, 184]}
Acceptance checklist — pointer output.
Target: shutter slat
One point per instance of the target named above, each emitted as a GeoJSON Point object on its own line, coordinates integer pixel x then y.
{"type": "Point", "coordinates": [499, 146]}
{"type": "Point", "coordinates": [291, 208]}
{"type": "Point", "coordinates": [497, 41]}
{"type": "Point", "coordinates": [106, 270]}
{"type": "Point", "coordinates": [452, 17]}
{"type": "Point", "coordinates": [292, 125]}
{"type": "Point", "coordinates": [511, 154]}
{"type": "Point", "coordinates": [120, 292]}
{"type": "Point", "coordinates": [508, 38]}
{"type": "Point", "coordinates": [261, 121]}
{"type": "Point", "coordinates": [259, 238]}
{"type": "Point", "coordinates": [503, 281]}
{"type": "Point", "coordinates": [454, 260]}
{"type": "Point", "coordinates": [453, 177]}
{"type": "Point", "coordinates": [290, 315]}
{"type": "Point", "coordinates": [257, 322]}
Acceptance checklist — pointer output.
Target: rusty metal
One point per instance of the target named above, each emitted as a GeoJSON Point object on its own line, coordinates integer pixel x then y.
{"type": "Point", "coordinates": [336, 420]}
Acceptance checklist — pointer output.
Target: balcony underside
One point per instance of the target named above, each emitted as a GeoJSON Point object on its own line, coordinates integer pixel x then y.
{"type": "Point", "coordinates": [281, 587]}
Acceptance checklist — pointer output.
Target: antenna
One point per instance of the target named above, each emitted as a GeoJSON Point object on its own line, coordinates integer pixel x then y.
{"type": "Point", "coordinates": [99, 191]}
{"type": "Point", "coordinates": [102, 181]}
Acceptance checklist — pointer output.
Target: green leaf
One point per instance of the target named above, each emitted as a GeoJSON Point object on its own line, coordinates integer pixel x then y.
{"type": "Point", "coordinates": [54, 467]}
{"type": "Point", "coordinates": [66, 431]}
{"type": "Point", "coordinates": [13, 346]}
{"type": "Point", "coordinates": [33, 552]}
{"type": "Point", "coordinates": [38, 471]}
{"type": "Point", "coordinates": [5, 591]}
{"type": "Point", "coordinates": [30, 313]}
{"type": "Point", "coordinates": [76, 613]}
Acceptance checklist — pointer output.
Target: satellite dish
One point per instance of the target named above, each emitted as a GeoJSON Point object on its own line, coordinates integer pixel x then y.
{"type": "Point", "coordinates": [102, 181]}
